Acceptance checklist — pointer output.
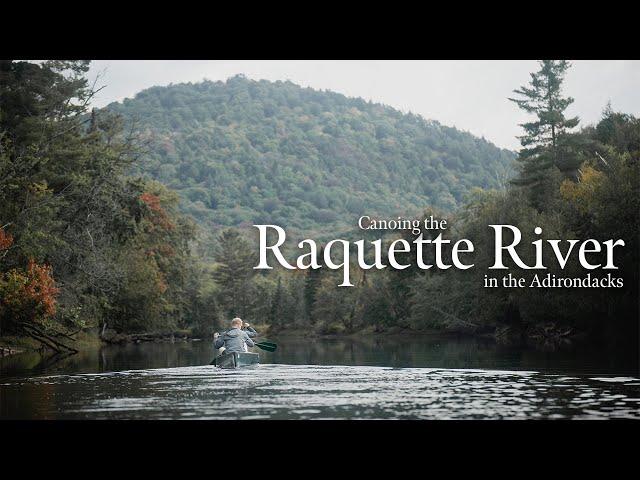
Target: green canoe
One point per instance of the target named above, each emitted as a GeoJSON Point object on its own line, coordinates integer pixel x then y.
{"type": "Point", "coordinates": [236, 359]}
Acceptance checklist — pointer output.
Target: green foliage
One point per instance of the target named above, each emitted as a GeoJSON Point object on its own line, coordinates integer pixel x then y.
{"type": "Point", "coordinates": [244, 152]}
{"type": "Point", "coordinates": [234, 271]}
{"type": "Point", "coordinates": [311, 284]}
{"type": "Point", "coordinates": [116, 247]}
{"type": "Point", "coordinates": [603, 204]}
{"type": "Point", "coordinates": [546, 143]}
{"type": "Point", "coordinates": [277, 305]}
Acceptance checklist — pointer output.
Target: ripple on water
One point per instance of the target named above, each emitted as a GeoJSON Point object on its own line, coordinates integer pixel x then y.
{"type": "Point", "coordinates": [614, 379]}
{"type": "Point", "coordinates": [308, 391]}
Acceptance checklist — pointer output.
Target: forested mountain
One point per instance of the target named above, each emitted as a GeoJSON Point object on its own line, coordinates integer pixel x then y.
{"type": "Point", "coordinates": [241, 152]}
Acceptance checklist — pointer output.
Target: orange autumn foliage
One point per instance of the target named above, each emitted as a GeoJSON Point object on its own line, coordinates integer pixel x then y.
{"type": "Point", "coordinates": [152, 201]}
{"type": "Point", "coordinates": [166, 250]}
{"type": "Point", "coordinates": [6, 240]}
{"type": "Point", "coordinates": [42, 287]}
{"type": "Point", "coordinates": [31, 294]}
{"type": "Point", "coordinates": [159, 217]}
{"type": "Point", "coordinates": [161, 283]}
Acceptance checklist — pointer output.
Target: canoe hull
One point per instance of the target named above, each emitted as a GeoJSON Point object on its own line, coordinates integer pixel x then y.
{"type": "Point", "coordinates": [236, 360]}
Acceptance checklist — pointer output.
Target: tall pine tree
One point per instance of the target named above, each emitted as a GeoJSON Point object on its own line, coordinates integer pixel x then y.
{"type": "Point", "coordinates": [546, 143]}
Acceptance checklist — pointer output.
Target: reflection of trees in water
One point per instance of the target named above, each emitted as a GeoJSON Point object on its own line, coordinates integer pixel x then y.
{"type": "Point", "coordinates": [435, 351]}
{"type": "Point", "coordinates": [33, 399]}
{"type": "Point", "coordinates": [432, 351]}
{"type": "Point", "coordinates": [423, 351]}
{"type": "Point", "coordinates": [20, 361]}
{"type": "Point", "coordinates": [156, 355]}
{"type": "Point", "coordinates": [37, 401]}
{"type": "Point", "coordinates": [110, 358]}
{"type": "Point", "coordinates": [35, 362]}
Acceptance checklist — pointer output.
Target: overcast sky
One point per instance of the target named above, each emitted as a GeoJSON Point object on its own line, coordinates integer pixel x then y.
{"type": "Point", "coordinates": [471, 95]}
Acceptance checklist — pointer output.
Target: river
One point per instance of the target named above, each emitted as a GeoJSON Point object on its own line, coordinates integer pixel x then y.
{"type": "Point", "coordinates": [423, 377]}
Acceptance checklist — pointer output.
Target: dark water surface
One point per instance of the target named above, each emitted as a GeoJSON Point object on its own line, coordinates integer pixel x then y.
{"type": "Point", "coordinates": [420, 377]}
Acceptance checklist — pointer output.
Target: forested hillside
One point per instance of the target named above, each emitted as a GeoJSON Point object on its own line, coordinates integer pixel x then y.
{"type": "Point", "coordinates": [241, 152]}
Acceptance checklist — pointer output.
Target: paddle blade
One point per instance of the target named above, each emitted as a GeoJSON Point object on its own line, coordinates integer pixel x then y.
{"type": "Point", "coordinates": [267, 346]}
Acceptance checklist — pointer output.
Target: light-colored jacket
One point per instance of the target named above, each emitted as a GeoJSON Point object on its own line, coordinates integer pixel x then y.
{"type": "Point", "coordinates": [233, 340]}
{"type": "Point", "coordinates": [251, 332]}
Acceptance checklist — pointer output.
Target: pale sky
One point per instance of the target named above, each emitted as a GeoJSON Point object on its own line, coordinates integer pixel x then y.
{"type": "Point", "coordinates": [470, 95]}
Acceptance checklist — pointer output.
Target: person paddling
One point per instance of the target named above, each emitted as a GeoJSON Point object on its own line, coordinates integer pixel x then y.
{"type": "Point", "coordinates": [246, 327]}
{"type": "Point", "coordinates": [235, 339]}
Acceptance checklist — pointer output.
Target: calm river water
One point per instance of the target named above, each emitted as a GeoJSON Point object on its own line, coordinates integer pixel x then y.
{"type": "Point", "coordinates": [426, 377]}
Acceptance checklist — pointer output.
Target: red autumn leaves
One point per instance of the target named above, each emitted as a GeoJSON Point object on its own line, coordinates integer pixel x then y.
{"type": "Point", "coordinates": [6, 240]}
{"type": "Point", "coordinates": [158, 216]}
{"type": "Point", "coordinates": [41, 287]}
{"type": "Point", "coordinates": [29, 294]}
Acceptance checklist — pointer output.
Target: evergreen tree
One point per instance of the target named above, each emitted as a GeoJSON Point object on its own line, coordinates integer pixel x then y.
{"type": "Point", "coordinates": [234, 272]}
{"type": "Point", "coordinates": [276, 305]}
{"type": "Point", "coordinates": [311, 283]}
{"type": "Point", "coordinates": [545, 143]}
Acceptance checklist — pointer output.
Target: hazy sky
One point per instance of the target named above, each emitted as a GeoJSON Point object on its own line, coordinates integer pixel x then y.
{"type": "Point", "coordinates": [471, 95]}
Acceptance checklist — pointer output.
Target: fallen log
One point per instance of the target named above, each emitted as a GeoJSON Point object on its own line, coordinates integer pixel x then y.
{"type": "Point", "coordinates": [33, 331]}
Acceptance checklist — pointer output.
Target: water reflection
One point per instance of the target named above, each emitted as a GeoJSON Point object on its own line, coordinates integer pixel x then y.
{"type": "Point", "coordinates": [415, 351]}
{"type": "Point", "coordinates": [371, 377]}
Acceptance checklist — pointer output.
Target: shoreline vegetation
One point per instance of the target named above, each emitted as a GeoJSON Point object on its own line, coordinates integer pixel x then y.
{"type": "Point", "coordinates": [93, 244]}
{"type": "Point", "coordinates": [549, 338]}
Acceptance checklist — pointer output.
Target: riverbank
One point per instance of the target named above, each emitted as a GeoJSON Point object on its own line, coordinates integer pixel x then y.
{"type": "Point", "coordinates": [548, 337]}
{"type": "Point", "coordinates": [364, 332]}
{"type": "Point", "coordinates": [543, 337]}
{"type": "Point", "coordinates": [6, 351]}
{"type": "Point", "coordinates": [110, 336]}
{"type": "Point", "coordinates": [13, 345]}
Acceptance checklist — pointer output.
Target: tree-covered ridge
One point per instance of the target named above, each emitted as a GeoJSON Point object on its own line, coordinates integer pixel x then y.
{"type": "Point", "coordinates": [243, 151]}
